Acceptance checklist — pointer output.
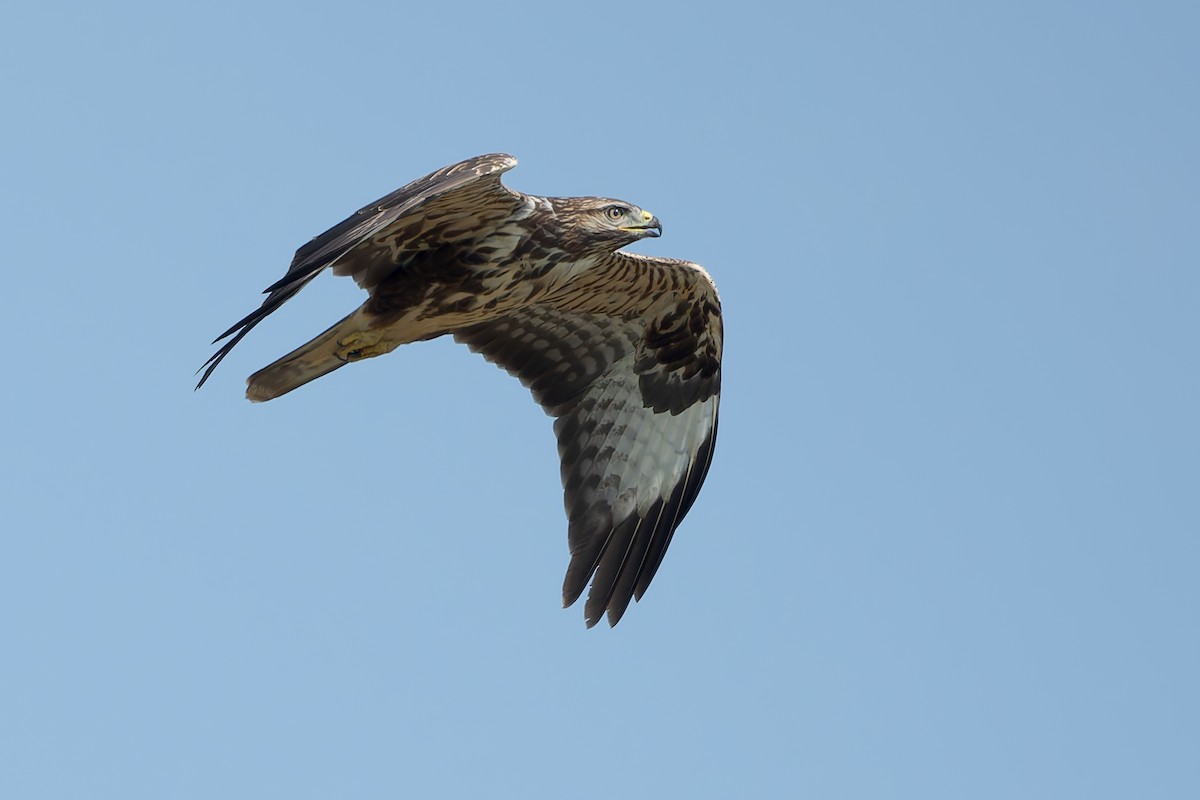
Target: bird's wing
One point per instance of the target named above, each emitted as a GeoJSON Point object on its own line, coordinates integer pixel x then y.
{"type": "Point", "coordinates": [628, 358]}
{"type": "Point", "coordinates": [455, 200]}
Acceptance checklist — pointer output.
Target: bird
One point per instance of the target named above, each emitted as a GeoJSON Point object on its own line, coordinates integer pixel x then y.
{"type": "Point", "coordinates": [623, 350]}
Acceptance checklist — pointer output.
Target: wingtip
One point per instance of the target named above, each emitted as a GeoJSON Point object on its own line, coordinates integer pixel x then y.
{"type": "Point", "coordinates": [591, 616]}
{"type": "Point", "coordinates": [207, 368]}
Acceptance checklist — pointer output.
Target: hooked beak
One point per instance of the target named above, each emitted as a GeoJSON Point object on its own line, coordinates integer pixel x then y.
{"type": "Point", "coordinates": [650, 226]}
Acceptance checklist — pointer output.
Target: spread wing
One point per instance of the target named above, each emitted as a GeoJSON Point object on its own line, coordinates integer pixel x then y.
{"type": "Point", "coordinates": [453, 202]}
{"type": "Point", "coordinates": [628, 358]}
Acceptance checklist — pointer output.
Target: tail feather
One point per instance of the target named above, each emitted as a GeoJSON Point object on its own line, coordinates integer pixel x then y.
{"type": "Point", "coordinates": [306, 363]}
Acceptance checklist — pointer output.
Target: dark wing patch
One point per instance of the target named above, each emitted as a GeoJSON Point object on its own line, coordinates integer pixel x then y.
{"type": "Point", "coordinates": [629, 472]}
{"type": "Point", "coordinates": [679, 357]}
{"type": "Point", "coordinates": [476, 180]}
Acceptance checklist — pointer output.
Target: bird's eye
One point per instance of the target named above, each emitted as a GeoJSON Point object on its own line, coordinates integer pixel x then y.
{"type": "Point", "coordinates": [615, 212]}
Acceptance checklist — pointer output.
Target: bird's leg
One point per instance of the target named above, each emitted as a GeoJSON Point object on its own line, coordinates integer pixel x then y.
{"type": "Point", "coordinates": [363, 344]}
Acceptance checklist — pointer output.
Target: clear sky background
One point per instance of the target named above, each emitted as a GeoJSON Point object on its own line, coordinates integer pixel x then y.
{"type": "Point", "coordinates": [949, 544]}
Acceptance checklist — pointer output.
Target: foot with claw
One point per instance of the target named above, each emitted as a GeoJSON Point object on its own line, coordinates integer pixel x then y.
{"type": "Point", "coordinates": [363, 344]}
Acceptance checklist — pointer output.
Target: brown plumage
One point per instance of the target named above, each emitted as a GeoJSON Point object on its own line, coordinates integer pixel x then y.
{"type": "Point", "coordinates": [623, 350]}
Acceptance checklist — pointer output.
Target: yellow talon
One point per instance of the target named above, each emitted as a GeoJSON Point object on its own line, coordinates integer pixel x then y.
{"type": "Point", "coordinates": [360, 345]}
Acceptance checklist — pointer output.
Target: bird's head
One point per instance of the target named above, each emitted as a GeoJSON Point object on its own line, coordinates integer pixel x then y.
{"type": "Point", "coordinates": [603, 223]}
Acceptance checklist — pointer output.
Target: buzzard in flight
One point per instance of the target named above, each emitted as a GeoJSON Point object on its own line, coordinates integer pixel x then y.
{"type": "Point", "coordinates": [624, 350]}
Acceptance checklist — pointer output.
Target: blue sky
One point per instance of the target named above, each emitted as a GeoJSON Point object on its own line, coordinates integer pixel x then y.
{"type": "Point", "coordinates": [949, 543]}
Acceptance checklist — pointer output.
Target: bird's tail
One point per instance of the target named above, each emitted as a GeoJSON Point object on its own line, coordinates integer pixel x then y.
{"type": "Point", "coordinates": [306, 363]}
